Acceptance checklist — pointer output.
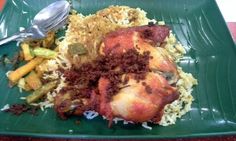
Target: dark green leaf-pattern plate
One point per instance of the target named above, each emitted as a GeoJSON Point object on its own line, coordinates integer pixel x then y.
{"type": "Point", "coordinates": [211, 56]}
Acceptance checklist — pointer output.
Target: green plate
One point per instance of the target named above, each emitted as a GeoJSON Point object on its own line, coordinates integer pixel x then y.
{"type": "Point", "coordinates": [210, 58]}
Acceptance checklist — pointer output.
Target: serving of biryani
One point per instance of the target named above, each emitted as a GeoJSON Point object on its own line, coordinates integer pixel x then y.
{"type": "Point", "coordinates": [116, 63]}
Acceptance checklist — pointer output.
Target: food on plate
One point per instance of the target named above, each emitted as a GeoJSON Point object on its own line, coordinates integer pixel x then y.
{"type": "Point", "coordinates": [116, 63]}
{"type": "Point", "coordinates": [137, 101]}
{"type": "Point", "coordinates": [43, 90]}
{"type": "Point", "coordinates": [14, 76]}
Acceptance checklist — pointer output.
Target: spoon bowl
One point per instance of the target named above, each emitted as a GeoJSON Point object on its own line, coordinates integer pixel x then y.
{"type": "Point", "coordinates": [48, 19]}
{"type": "Point", "coordinates": [51, 14]}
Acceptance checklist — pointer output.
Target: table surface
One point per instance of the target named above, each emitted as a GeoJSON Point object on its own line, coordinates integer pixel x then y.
{"type": "Point", "coordinates": [232, 27]}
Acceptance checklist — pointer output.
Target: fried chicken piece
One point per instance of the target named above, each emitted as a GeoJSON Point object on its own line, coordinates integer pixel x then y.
{"type": "Point", "coordinates": [121, 40]}
{"type": "Point", "coordinates": [144, 38]}
{"type": "Point", "coordinates": [161, 61]}
{"type": "Point", "coordinates": [74, 102]}
{"type": "Point", "coordinates": [137, 101]}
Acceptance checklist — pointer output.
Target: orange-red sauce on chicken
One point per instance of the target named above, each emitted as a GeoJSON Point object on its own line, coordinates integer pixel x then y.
{"type": "Point", "coordinates": [144, 38]}
{"type": "Point", "coordinates": [137, 101]}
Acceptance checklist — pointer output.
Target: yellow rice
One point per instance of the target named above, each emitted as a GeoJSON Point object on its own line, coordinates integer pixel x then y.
{"type": "Point", "coordinates": [89, 30]}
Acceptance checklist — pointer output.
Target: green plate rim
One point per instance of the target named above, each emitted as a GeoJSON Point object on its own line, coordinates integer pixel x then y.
{"type": "Point", "coordinates": [143, 136]}
{"type": "Point", "coordinates": [81, 136]}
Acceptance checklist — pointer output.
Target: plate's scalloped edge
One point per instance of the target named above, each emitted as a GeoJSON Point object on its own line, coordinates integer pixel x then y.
{"type": "Point", "coordinates": [82, 136]}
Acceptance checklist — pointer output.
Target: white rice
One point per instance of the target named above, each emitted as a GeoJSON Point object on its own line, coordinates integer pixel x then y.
{"type": "Point", "coordinates": [23, 98]}
{"type": "Point", "coordinates": [43, 105]}
{"type": "Point", "coordinates": [127, 122]}
{"type": "Point", "coordinates": [70, 131]}
{"type": "Point", "coordinates": [5, 107]}
{"type": "Point", "coordinates": [21, 84]}
{"type": "Point", "coordinates": [90, 114]}
{"type": "Point", "coordinates": [161, 23]}
{"type": "Point", "coordinates": [116, 120]}
{"type": "Point", "coordinates": [145, 125]}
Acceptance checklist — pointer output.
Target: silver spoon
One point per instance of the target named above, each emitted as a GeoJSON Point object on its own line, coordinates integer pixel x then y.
{"type": "Point", "coordinates": [50, 18]}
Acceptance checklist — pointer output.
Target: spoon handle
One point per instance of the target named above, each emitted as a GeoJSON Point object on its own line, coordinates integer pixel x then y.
{"type": "Point", "coordinates": [9, 39]}
{"type": "Point", "coordinates": [14, 37]}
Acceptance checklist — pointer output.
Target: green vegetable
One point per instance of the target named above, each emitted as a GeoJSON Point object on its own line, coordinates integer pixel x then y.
{"type": "Point", "coordinates": [77, 49]}
{"type": "Point", "coordinates": [36, 95]}
{"type": "Point", "coordinates": [44, 53]}
{"type": "Point", "coordinates": [33, 80]}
